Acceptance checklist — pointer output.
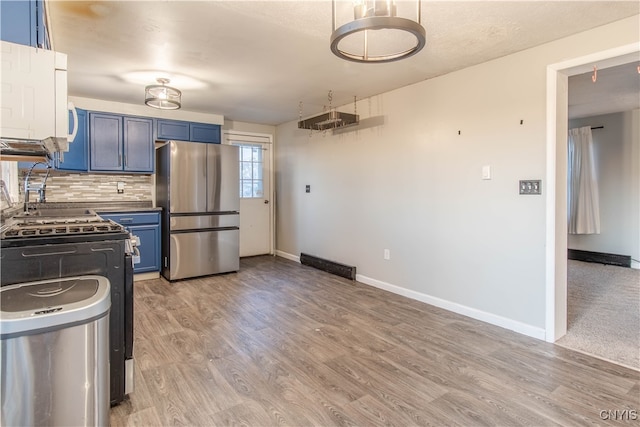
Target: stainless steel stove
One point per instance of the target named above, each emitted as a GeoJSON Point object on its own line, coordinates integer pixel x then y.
{"type": "Point", "coordinates": [44, 245]}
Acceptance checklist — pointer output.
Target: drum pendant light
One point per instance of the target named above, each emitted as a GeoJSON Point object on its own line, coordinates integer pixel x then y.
{"type": "Point", "coordinates": [162, 96]}
{"type": "Point", "coordinates": [381, 31]}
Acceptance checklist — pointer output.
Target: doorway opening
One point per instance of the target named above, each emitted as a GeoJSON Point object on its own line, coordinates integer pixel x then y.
{"type": "Point", "coordinates": [556, 175]}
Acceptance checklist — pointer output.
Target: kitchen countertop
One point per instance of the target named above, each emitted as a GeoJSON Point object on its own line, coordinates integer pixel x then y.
{"type": "Point", "coordinates": [144, 206]}
{"type": "Point", "coordinates": [98, 207]}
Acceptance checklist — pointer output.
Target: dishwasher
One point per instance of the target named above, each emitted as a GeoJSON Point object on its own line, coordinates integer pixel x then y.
{"type": "Point", "coordinates": [55, 352]}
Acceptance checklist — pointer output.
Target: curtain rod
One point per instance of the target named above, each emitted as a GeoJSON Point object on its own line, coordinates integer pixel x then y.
{"type": "Point", "coordinates": [597, 127]}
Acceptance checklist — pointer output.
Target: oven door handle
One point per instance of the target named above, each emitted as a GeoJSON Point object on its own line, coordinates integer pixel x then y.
{"type": "Point", "coordinates": [41, 252]}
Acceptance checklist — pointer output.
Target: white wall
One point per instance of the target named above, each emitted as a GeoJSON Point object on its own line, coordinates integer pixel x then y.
{"type": "Point", "coordinates": [231, 125]}
{"type": "Point", "coordinates": [143, 110]}
{"type": "Point", "coordinates": [617, 161]}
{"type": "Point", "coordinates": [413, 185]}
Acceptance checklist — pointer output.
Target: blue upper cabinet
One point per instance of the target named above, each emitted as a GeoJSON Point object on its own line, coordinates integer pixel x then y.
{"type": "Point", "coordinates": [105, 142]}
{"type": "Point", "coordinates": [187, 131]}
{"type": "Point", "coordinates": [139, 151]}
{"type": "Point", "coordinates": [76, 159]}
{"type": "Point", "coordinates": [173, 130]}
{"type": "Point", "coordinates": [120, 143]}
{"type": "Point", "coordinates": [22, 22]}
{"type": "Point", "coordinates": [204, 132]}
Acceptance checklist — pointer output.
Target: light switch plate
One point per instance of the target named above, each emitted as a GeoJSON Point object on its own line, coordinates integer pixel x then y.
{"type": "Point", "coordinates": [486, 172]}
{"type": "Point", "coordinates": [531, 186]}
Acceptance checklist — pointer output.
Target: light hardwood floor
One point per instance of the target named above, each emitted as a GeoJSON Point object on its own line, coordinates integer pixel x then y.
{"type": "Point", "coordinates": [279, 343]}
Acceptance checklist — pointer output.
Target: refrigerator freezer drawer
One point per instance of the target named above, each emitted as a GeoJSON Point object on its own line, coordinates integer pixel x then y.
{"type": "Point", "coordinates": [203, 253]}
{"type": "Point", "coordinates": [195, 222]}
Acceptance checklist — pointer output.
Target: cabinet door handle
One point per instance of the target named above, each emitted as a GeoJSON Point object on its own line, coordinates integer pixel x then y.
{"type": "Point", "coordinates": [126, 219]}
{"type": "Point", "coordinates": [76, 125]}
{"type": "Point", "coordinates": [119, 159]}
{"type": "Point", "coordinates": [125, 160]}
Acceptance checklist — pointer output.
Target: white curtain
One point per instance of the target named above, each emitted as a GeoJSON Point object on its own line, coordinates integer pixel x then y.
{"type": "Point", "coordinates": [584, 206]}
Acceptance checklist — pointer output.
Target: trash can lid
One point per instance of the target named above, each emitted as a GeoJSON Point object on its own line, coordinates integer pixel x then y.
{"type": "Point", "coordinates": [52, 304]}
{"type": "Point", "coordinates": [40, 296]}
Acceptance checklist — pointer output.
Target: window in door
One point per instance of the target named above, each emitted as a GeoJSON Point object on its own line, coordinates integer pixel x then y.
{"type": "Point", "coordinates": [251, 171]}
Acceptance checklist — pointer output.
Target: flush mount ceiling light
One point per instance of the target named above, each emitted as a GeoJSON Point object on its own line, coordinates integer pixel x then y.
{"type": "Point", "coordinates": [381, 31]}
{"type": "Point", "coordinates": [162, 96]}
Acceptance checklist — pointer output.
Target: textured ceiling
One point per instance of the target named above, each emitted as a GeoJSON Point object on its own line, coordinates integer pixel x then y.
{"type": "Point", "coordinates": [615, 89]}
{"type": "Point", "coordinates": [255, 61]}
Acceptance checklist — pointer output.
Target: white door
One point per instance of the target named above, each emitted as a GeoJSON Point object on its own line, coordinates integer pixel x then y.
{"type": "Point", "coordinates": [256, 207]}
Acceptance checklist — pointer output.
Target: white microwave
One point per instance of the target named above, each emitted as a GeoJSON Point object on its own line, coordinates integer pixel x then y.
{"type": "Point", "coordinates": [33, 98]}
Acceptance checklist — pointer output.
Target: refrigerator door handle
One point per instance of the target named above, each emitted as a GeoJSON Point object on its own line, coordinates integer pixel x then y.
{"type": "Point", "coordinates": [203, 230]}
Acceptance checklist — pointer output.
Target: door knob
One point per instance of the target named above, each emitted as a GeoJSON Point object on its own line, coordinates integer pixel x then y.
{"type": "Point", "coordinates": [266, 202]}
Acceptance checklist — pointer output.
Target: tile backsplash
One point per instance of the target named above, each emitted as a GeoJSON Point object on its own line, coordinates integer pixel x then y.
{"type": "Point", "coordinates": [82, 187]}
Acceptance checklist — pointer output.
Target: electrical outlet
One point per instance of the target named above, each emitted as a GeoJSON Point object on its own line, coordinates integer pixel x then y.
{"type": "Point", "coordinates": [387, 254]}
{"type": "Point", "coordinates": [531, 186]}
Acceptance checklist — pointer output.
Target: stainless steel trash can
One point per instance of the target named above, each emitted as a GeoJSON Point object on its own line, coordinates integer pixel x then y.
{"type": "Point", "coordinates": [55, 352]}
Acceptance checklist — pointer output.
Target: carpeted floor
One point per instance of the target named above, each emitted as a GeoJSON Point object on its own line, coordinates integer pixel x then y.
{"type": "Point", "coordinates": [603, 316]}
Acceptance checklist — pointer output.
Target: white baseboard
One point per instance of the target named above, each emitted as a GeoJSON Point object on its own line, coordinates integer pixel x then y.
{"type": "Point", "coordinates": [635, 264]}
{"type": "Point", "coordinates": [503, 322]}
{"type": "Point", "coordinates": [288, 256]}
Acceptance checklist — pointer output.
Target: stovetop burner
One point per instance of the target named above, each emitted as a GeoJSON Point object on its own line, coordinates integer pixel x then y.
{"type": "Point", "coordinates": [56, 221]}
{"type": "Point", "coordinates": [60, 227]}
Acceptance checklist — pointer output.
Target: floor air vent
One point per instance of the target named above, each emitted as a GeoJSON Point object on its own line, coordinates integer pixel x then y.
{"type": "Point", "coordinates": [329, 266]}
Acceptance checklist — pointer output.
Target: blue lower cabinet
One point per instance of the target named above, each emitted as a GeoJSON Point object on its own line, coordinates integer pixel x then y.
{"type": "Point", "coordinates": [149, 237]}
{"type": "Point", "coordinates": [146, 226]}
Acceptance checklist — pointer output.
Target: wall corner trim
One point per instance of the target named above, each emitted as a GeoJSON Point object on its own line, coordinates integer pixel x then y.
{"type": "Point", "coordinates": [288, 256]}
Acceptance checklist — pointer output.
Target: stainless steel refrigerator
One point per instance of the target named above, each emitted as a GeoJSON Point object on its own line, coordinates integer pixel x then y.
{"type": "Point", "coordinates": [197, 185]}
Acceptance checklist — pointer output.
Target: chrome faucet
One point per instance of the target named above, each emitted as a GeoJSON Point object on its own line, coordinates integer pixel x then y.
{"type": "Point", "coordinates": [40, 188]}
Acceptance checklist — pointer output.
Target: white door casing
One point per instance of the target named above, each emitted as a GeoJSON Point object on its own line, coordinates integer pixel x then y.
{"type": "Point", "coordinates": [556, 162]}
{"type": "Point", "coordinates": [256, 208]}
